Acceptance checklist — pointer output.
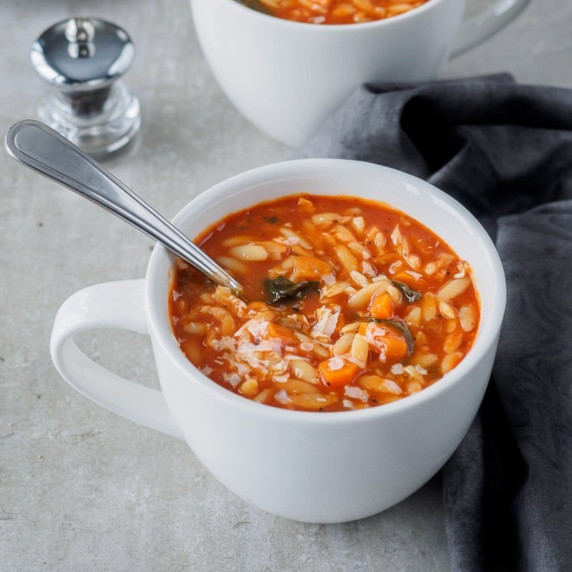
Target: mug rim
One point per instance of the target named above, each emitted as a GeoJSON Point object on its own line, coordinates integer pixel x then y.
{"type": "Point", "coordinates": [158, 313]}
{"type": "Point", "coordinates": [330, 28]}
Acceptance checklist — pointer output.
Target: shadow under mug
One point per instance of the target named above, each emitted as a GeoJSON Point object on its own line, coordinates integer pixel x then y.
{"type": "Point", "coordinates": [287, 77]}
{"type": "Point", "coordinates": [306, 466]}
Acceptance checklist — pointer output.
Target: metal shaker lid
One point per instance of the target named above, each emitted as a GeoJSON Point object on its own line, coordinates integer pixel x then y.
{"type": "Point", "coordinates": [82, 53]}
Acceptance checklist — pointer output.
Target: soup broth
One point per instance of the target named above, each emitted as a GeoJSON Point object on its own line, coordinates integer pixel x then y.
{"type": "Point", "coordinates": [348, 304]}
{"type": "Point", "coordinates": [333, 11]}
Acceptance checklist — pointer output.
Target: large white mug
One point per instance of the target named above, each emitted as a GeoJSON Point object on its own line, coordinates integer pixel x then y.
{"type": "Point", "coordinates": [287, 77]}
{"type": "Point", "coordinates": [306, 466]}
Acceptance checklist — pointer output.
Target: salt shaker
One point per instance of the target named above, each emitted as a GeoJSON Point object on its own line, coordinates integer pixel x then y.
{"type": "Point", "coordinates": [83, 59]}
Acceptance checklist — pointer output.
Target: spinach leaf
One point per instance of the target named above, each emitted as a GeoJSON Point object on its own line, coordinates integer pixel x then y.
{"type": "Point", "coordinates": [281, 289]}
{"type": "Point", "coordinates": [401, 326]}
{"type": "Point", "coordinates": [410, 294]}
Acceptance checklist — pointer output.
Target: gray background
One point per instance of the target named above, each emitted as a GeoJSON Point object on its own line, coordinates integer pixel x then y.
{"type": "Point", "coordinates": [80, 487]}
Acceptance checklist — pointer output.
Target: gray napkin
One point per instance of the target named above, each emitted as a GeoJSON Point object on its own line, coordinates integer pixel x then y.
{"type": "Point", "coordinates": [505, 151]}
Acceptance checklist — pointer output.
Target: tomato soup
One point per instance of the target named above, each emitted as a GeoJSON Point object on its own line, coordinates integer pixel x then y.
{"type": "Point", "coordinates": [334, 11]}
{"type": "Point", "coordinates": [348, 304]}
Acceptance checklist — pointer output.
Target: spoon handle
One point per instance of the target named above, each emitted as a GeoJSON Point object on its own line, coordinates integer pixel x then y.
{"type": "Point", "coordinates": [44, 150]}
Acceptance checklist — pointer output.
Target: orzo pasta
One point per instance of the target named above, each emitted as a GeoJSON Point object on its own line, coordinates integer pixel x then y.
{"type": "Point", "coordinates": [348, 304]}
{"type": "Point", "coordinates": [333, 11]}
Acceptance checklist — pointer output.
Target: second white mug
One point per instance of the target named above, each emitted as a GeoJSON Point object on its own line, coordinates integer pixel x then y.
{"type": "Point", "coordinates": [287, 77]}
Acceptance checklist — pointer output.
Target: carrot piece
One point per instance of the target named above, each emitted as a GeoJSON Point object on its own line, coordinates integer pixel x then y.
{"type": "Point", "coordinates": [362, 328]}
{"type": "Point", "coordinates": [381, 306]}
{"type": "Point", "coordinates": [284, 334]}
{"type": "Point", "coordinates": [309, 268]}
{"type": "Point", "coordinates": [395, 346]}
{"type": "Point", "coordinates": [387, 339]}
{"type": "Point", "coordinates": [411, 280]}
{"type": "Point", "coordinates": [336, 372]}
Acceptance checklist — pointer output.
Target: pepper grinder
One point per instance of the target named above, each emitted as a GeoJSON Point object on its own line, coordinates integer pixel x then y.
{"type": "Point", "coordinates": [83, 60]}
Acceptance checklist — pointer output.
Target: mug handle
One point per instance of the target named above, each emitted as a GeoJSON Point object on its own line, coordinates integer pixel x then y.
{"type": "Point", "coordinates": [109, 305]}
{"type": "Point", "coordinates": [484, 23]}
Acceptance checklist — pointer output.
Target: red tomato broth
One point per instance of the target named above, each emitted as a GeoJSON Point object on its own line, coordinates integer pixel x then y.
{"type": "Point", "coordinates": [334, 11]}
{"type": "Point", "coordinates": [353, 340]}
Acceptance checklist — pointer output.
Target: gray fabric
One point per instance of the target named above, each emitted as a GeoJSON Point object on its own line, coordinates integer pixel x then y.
{"type": "Point", "coordinates": [505, 151]}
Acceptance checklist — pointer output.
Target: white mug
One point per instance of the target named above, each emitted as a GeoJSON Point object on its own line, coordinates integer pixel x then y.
{"type": "Point", "coordinates": [287, 77]}
{"type": "Point", "coordinates": [306, 466]}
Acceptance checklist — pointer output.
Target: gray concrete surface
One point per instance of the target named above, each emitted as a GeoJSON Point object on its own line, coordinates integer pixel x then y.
{"type": "Point", "coordinates": [82, 489]}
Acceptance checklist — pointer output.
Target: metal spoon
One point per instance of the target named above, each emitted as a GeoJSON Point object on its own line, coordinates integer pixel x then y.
{"type": "Point", "coordinates": [44, 150]}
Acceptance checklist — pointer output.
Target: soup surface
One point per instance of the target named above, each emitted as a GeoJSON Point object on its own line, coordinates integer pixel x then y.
{"type": "Point", "coordinates": [333, 11]}
{"type": "Point", "coordinates": [348, 304]}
